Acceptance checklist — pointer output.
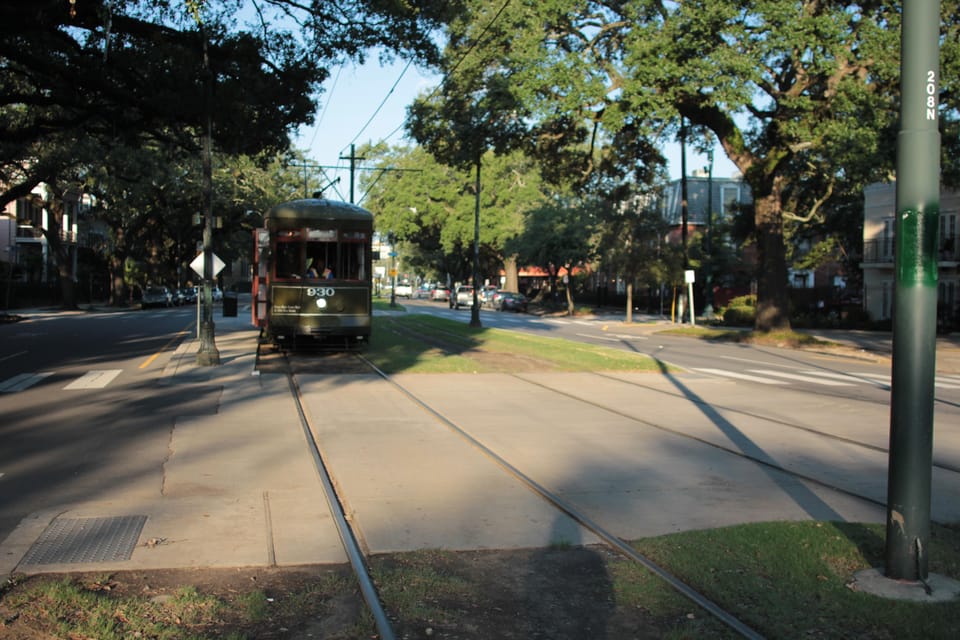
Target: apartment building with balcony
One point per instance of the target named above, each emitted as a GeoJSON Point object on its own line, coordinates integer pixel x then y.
{"type": "Point", "coordinates": [26, 255]}
{"type": "Point", "coordinates": [879, 217]}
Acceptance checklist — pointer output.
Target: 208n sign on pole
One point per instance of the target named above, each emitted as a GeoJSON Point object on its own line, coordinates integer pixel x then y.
{"type": "Point", "coordinates": [914, 320]}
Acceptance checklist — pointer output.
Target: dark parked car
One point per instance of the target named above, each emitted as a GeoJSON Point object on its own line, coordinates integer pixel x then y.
{"type": "Point", "coordinates": [509, 301]}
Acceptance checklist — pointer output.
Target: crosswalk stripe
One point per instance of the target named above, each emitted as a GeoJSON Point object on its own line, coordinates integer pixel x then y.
{"type": "Point", "coordinates": [943, 382]}
{"type": "Point", "coordinates": [94, 379]}
{"type": "Point", "coordinates": [22, 381]}
{"type": "Point", "coordinates": [740, 376]}
{"type": "Point", "coordinates": [849, 377]}
{"type": "Point", "coordinates": [794, 376]}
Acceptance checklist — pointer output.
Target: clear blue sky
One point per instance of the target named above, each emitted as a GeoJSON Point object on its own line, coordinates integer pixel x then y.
{"type": "Point", "coordinates": [348, 113]}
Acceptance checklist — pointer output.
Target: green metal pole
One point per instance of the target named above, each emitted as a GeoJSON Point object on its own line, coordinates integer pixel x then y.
{"type": "Point", "coordinates": [475, 308]}
{"type": "Point", "coordinates": [914, 320]}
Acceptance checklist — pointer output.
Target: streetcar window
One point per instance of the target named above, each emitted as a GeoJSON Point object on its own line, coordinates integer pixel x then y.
{"type": "Point", "coordinates": [288, 259]}
{"type": "Point", "coordinates": [321, 253]}
{"type": "Point", "coordinates": [353, 262]}
{"type": "Point", "coordinates": [309, 252]}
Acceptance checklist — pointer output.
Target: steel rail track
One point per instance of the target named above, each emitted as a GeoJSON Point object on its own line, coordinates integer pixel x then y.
{"type": "Point", "coordinates": [347, 537]}
{"type": "Point", "coordinates": [584, 520]}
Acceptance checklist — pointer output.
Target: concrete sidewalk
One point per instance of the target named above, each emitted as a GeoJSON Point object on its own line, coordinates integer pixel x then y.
{"type": "Point", "coordinates": [238, 487]}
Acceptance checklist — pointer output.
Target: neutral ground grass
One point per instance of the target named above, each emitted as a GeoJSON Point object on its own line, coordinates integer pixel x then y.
{"type": "Point", "coordinates": [420, 343]}
{"type": "Point", "coordinates": [785, 580]}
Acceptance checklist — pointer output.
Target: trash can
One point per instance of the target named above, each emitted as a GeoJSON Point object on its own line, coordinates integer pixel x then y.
{"type": "Point", "coordinates": [230, 305]}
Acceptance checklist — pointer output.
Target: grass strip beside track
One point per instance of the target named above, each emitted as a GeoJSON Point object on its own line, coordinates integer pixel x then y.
{"type": "Point", "coordinates": [788, 580]}
{"type": "Point", "coordinates": [418, 343]}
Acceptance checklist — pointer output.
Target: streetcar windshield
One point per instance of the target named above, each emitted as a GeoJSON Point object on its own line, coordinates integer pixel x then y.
{"type": "Point", "coordinates": [321, 254]}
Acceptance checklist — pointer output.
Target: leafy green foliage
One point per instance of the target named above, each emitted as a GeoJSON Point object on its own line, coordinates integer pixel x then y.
{"type": "Point", "coordinates": [429, 207]}
{"type": "Point", "coordinates": [802, 97]}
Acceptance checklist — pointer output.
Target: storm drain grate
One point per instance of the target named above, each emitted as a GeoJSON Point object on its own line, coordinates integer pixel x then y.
{"type": "Point", "coordinates": [71, 540]}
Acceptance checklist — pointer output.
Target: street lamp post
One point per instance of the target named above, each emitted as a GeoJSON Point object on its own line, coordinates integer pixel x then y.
{"type": "Point", "coordinates": [208, 355]}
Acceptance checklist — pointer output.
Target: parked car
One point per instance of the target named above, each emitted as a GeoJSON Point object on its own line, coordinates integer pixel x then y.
{"type": "Point", "coordinates": [189, 295]}
{"type": "Point", "coordinates": [217, 294]}
{"type": "Point", "coordinates": [486, 295]}
{"type": "Point", "coordinates": [509, 301]}
{"type": "Point", "coordinates": [156, 297]}
{"type": "Point", "coordinates": [425, 291]}
{"type": "Point", "coordinates": [463, 297]}
{"type": "Point", "coordinates": [404, 290]}
{"type": "Point", "coordinates": [441, 293]}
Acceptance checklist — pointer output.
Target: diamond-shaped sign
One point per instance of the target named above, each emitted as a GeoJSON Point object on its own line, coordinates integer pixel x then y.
{"type": "Point", "coordinates": [197, 264]}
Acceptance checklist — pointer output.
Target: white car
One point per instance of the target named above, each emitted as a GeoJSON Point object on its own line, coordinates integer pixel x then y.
{"type": "Point", "coordinates": [156, 297]}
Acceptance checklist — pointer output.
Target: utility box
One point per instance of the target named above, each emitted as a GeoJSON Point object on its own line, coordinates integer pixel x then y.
{"type": "Point", "coordinates": [230, 305]}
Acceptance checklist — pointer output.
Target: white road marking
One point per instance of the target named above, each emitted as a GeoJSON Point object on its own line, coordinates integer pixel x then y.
{"type": "Point", "coordinates": [793, 376]}
{"type": "Point", "coordinates": [763, 362]}
{"type": "Point", "coordinates": [849, 377]}
{"type": "Point", "coordinates": [94, 379]}
{"type": "Point", "coordinates": [741, 376]}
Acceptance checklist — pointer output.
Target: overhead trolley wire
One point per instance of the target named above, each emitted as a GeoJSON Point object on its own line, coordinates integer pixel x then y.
{"type": "Point", "coordinates": [383, 102]}
{"type": "Point", "coordinates": [326, 105]}
{"type": "Point", "coordinates": [466, 53]}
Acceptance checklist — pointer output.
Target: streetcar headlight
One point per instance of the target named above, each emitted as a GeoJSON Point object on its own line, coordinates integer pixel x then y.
{"type": "Point", "coordinates": [322, 303]}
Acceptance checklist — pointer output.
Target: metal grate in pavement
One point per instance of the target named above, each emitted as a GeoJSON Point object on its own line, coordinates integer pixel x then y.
{"type": "Point", "coordinates": [73, 540]}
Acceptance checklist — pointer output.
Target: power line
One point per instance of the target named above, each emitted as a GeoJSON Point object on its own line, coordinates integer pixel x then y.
{"type": "Point", "coordinates": [460, 61]}
{"type": "Point", "coordinates": [383, 102]}
{"type": "Point", "coordinates": [326, 105]}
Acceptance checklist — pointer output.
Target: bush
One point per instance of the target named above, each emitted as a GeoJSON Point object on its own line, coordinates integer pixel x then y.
{"type": "Point", "coordinates": [742, 311]}
{"type": "Point", "coordinates": [749, 300]}
{"type": "Point", "coordinates": [739, 316]}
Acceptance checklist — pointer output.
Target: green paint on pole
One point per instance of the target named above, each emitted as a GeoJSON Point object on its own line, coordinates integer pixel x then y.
{"type": "Point", "coordinates": [915, 313]}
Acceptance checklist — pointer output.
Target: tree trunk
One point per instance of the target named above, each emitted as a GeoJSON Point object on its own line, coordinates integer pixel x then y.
{"type": "Point", "coordinates": [630, 300]}
{"type": "Point", "coordinates": [512, 274]}
{"type": "Point", "coordinates": [571, 308]}
{"type": "Point", "coordinates": [117, 298]}
{"type": "Point", "coordinates": [773, 300]}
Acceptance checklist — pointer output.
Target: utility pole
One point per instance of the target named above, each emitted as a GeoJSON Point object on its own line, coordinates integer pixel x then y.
{"type": "Point", "coordinates": [708, 288]}
{"type": "Point", "coordinates": [684, 212]}
{"type": "Point", "coordinates": [353, 157]}
{"type": "Point", "coordinates": [915, 317]}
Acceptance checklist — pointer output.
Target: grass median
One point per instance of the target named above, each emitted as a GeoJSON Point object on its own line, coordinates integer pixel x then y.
{"type": "Point", "coordinates": [419, 343]}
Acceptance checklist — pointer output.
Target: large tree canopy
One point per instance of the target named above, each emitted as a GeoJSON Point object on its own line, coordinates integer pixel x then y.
{"type": "Point", "coordinates": [121, 72]}
{"type": "Point", "coordinates": [430, 208]}
{"type": "Point", "coordinates": [800, 94]}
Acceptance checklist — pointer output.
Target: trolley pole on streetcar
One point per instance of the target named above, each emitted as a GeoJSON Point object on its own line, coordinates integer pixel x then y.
{"type": "Point", "coordinates": [208, 355]}
{"type": "Point", "coordinates": [914, 322]}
